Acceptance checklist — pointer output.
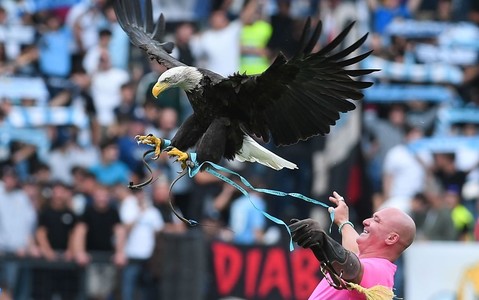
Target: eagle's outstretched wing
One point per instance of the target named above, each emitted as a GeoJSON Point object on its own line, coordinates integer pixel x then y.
{"type": "Point", "coordinates": [302, 97]}
{"type": "Point", "coordinates": [143, 32]}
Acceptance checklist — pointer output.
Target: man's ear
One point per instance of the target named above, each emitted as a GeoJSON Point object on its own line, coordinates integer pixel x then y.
{"type": "Point", "coordinates": [392, 238]}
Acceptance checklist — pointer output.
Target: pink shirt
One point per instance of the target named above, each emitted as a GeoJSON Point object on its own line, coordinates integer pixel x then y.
{"type": "Point", "coordinates": [377, 271]}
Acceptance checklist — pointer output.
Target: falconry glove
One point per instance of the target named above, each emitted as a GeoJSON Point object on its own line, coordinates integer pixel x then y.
{"type": "Point", "coordinates": [340, 263]}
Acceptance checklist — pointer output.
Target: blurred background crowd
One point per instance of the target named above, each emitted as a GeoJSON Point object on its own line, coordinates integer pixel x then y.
{"type": "Point", "coordinates": [74, 93]}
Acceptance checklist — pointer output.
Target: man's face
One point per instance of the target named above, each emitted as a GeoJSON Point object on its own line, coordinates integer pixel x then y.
{"type": "Point", "coordinates": [101, 198]}
{"type": "Point", "coordinates": [218, 20]}
{"type": "Point", "coordinates": [10, 181]}
{"type": "Point", "coordinates": [376, 231]}
{"type": "Point", "coordinates": [110, 153]}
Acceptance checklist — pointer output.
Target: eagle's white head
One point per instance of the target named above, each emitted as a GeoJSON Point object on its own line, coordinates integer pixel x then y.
{"type": "Point", "coordinates": [187, 78]}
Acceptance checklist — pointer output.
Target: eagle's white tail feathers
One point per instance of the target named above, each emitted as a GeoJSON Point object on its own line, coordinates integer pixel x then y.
{"type": "Point", "coordinates": [254, 152]}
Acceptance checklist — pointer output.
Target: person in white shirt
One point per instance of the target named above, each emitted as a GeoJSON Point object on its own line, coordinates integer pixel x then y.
{"type": "Point", "coordinates": [17, 224]}
{"type": "Point", "coordinates": [143, 222]}
{"type": "Point", "coordinates": [218, 48]}
{"type": "Point", "coordinates": [106, 89]}
{"type": "Point", "coordinates": [403, 173]}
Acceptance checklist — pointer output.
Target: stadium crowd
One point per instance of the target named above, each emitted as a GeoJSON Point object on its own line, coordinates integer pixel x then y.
{"type": "Point", "coordinates": [74, 93]}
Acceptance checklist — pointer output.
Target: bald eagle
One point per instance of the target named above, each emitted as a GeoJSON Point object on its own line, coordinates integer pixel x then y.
{"type": "Point", "coordinates": [291, 101]}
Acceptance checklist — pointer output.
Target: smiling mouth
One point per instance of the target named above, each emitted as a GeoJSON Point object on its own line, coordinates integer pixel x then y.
{"type": "Point", "coordinates": [365, 231]}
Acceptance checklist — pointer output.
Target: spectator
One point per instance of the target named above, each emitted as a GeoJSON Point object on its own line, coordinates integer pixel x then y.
{"type": "Point", "coordinates": [85, 19]}
{"type": "Point", "coordinates": [84, 184]}
{"type": "Point", "coordinates": [445, 11]}
{"type": "Point", "coordinates": [91, 61]}
{"type": "Point", "coordinates": [3, 16]}
{"type": "Point", "coordinates": [246, 220]}
{"type": "Point", "coordinates": [14, 42]}
{"type": "Point", "coordinates": [81, 97]}
{"type": "Point", "coordinates": [422, 115]}
{"type": "Point", "coordinates": [17, 225]}
{"type": "Point", "coordinates": [127, 108]}
{"type": "Point", "coordinates": [18, 11]}
{"type": "Point", "coordinates": [110, 170]}
{"type": "Point", "coordinates": [42, 175]}
{"type": "Point", "coordinates": [106, 90]}
{"type": "Point", "coordinates": [438, 223]}
{"type": "Point", "coordinates": [120, 43]}
{"type": "Point", "coordinates": [56, 223]}
{"type": "Point", "coordinates": [100, 229]}
{"type": "Point", "coordinates": [418, 212]}
{"type": "Point", "coordinates": [161, 197]}
{"type": "Point", "coordinates": [54, 236]}
{"type": "Point", "coordinates": [446, 171]}
{"type": "Point", "coordinates": [4, 62]}
{"type": "Point", "coordinates": [385, 11]}
{"type": "Point", "coordinates": [24, 158]}
{"type": "Point", "coordinates": [143, 222]}
{"type": "Point", "coordinates": [55, 57]}
{"type": "Point", "coordinates": [462, 218]}
{"type": "Point", "coordinates": [168, 122]}
{"type": "Point", "coordinates": [474, 12]}
{"type": "Point", "coordinates": [403, 173]}
{"type": "Point", "coordinates": [25, 63]}
{"type": "Point", "coordinates": [67, 153]}
{"type": "Point", "coordinates": [183, 35]}
{"type": "Point", "coordinates": [34, 191]}
{"type": "Point", "coordinates": [218, 48]}
{"type": "Point", "coordinates": [255, 35]}
{"type": "Point", "coordinates": [130, 152]}
{"type": "Point", "coordinates": [172, 225]}
{"type": "Point", "coordinates": [385, 134]}
{"type": "Point", "coordinates": [283, 37]}
{"type": "Point", "coordinates": [200, 207]}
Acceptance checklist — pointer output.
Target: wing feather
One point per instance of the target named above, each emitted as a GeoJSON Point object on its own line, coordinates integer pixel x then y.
{"type": "Point", "coordinates": [138, 24]}
{"type": "Point", "coordinates": [159, 30]}
{"type": "Point", "coordinates": [337, 40]}
{"type": "Point", "coordinates": [302, 97]}
{"type": "Point", "coordinates": [314, 38]}
{"type": "Point", "coordinates": [136, 11]}
{"type": "Point", "coordinates": [148, 17]}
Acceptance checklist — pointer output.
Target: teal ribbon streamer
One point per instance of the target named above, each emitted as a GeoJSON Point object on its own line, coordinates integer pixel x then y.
{"type": "Point", "coordinates": [213, 169]}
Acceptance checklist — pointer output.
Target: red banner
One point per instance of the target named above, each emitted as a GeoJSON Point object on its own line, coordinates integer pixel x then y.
{"type": "Point", "coordinates": [261, 272]}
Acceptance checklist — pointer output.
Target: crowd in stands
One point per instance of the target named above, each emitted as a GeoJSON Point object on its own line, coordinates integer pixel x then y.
{"type": "Point", "coordinates": [74, 93]}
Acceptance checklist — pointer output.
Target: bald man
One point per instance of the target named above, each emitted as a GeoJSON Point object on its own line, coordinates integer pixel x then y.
{"type": "Point", "coordinates": [365, 259]}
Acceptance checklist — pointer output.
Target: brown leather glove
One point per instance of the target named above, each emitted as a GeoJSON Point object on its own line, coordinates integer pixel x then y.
{"type": "Point", "coordinates": [308, 234]}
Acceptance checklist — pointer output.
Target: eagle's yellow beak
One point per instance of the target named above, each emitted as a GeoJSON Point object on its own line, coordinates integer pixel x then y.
{"type": "Point", "coordinates": [158, 88]}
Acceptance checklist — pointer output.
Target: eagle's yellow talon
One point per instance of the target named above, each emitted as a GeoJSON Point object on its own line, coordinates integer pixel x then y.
{"type": "Point", "coordinates": [181, 156]}
{"type": "Point", "coordinates": [152, 141]}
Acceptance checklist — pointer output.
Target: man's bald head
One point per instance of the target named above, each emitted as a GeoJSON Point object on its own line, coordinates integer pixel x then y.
{"type": "Point", "coordinates": [402, 224]}
{"type": "Point", "coordinates": [386, 234]}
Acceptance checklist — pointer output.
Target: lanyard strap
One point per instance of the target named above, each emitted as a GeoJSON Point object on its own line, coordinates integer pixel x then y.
{"type": "Point", "coordinates": [214, 170]}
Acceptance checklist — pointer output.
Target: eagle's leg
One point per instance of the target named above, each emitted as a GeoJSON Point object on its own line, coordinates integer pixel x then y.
{"type": "Point", "coordinates": [154, 141]}
{"type": "Point", "coordinates": [212, 145]}
{"type": "Point", "coordinates": [188, 134]}
{"type": "Point", "coordinates": [182, 157]}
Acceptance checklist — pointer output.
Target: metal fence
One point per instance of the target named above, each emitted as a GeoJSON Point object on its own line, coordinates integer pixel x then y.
{"type": "Point", "coordinates": [180, 263]}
